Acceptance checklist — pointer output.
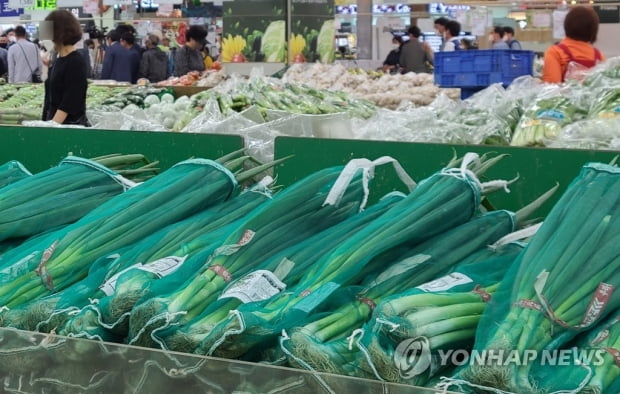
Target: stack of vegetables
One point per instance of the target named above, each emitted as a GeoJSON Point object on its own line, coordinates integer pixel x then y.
{"type": "Point", "coordinates": [533, 309]}
{"type": "Point", "coordinates": [188, 261]}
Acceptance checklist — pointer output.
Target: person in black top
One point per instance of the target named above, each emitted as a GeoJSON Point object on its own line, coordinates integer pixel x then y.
{"type": "Point", "coordinates": [189, 58]}
{"type": "Point", "coordinates": [65, 88]}
{"type": "Point", "coordinates": [391, 61]}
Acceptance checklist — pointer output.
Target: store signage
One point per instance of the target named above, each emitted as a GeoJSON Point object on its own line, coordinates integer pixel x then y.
{"type": "Point", "coordinates": [607, 13]}
{"type": "Point", "coordinates": [8, 11]}
{"type": "Point", "coordinates": [376, 9]}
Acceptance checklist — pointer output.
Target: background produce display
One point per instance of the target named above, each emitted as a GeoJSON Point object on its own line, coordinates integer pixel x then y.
{"type": "Point", "coordinates": [215, 275]}
{"type": "Point", "coordinates": [385, 90]}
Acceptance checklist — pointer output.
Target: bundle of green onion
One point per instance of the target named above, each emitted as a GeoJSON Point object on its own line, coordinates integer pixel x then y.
{"type": "Point", "coordinates": [441, 202]}
{"type": "Point", "coordinates": [443, 312]}
{"type": "Point", "coordinates": [535, 309]}
{"type": "Point", "coordinates": [177, 240]}
{"type": "Point", "coordinates": [56, 197]}
{"type": "Point", "coordinates": [293, 215]}
{"type": "Point", "coordinates": [287, 266]}
{"type": "Point", "coordinates": [319, 343]}
{"type": "Point", "coordinates": [63, 257]}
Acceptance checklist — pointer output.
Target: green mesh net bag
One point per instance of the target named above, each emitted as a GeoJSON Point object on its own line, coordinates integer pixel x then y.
{"type": "Point", "coordinates": [591, 365]}
{"type": "Point", "coordinates": [272, 277]}
{"type": "Point", "coordinates": [153, 257]}
{"type": "Point", "coordinates": [443, 201]}
{"type": "Point", "coordinates": [321, 344]}
{"type": "Point", "coordinates": [63, 257]}
{"type": "Point", "coordinates": [311, 205]}
{"type": "Point", "coordinates": [55, 197]}
{"type": "Point", "coordinates": [439, 315]}
{"type": "Point", "coordinates": [12, 171]}
{"type": "Point", "coordinates": [561, 285]}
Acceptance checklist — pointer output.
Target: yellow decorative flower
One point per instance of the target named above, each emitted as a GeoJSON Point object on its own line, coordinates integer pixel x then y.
{"type": "Point", "coordinates": [296, 47]}
{"type": "Point", "coordinates": [232, 49]}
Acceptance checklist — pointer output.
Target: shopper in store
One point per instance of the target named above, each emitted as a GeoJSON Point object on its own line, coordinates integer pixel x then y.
{"type": "Point", "coordinates": [66, 86]}
{"type": "Point", "coordinates": [576, 53]}
{"type": "Point", "coordinates": [125, 28]}
{"type": "Point", "coordinates": [415, 56]}
{"type": "Point", "coordinates": [10, 33]}
{"type": "Point", "coordinates": [85, 52]}
{"type": "Point", "coordinates": [4, 56]}
{"type": "Point", "coordinates": [127, 41]}
{"type": "Point", "coordinates": [391, 63]}
{"type": "Point", "coordinates": [453, 42]}
{"type": "Point", "coordinates": [189, 57]}
{"type": "Point", "coordinates": [509, 38]}
{"type": "Point", "coordinates": [4, 41]}
{"type": "Point", "coordinates": [117, 60]}
{"type": "Point", "coordinates": [154, 63]}
{"type": "Point", "coordinates": [440, 28]}
{"type": "Point", "coordinates": [23, 59]}
{"type": "Point", "coordinates": [497, 38]}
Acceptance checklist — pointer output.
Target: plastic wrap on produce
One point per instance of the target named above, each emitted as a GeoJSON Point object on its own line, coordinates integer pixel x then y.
{"type": "Point", "coordinates": [122, 121]}
{"type": "Point", "coordinates": [589, 134]}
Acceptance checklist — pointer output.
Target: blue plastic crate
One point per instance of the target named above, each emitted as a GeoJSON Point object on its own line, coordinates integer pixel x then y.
{"type": "Point", "coordinates": [479, 68]}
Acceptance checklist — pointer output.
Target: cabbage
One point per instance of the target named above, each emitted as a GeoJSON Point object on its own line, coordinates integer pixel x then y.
{"type": "Point", "coordinates": [273, 44]}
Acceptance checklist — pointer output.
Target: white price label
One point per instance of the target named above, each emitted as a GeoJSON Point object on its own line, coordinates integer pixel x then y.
{"type": "Point", "coordinates": [445, 283]}
{"type": "Point", "coordinates": [255, 286]}
{"type": "Point", "coordinates": [109, 286]}
{"type": "Point", "coordinates": [163, 267]}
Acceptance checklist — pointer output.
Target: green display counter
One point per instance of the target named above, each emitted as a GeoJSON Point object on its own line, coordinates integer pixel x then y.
{"type": "Point", "coordinates": [538, 169]}
{"type": "Point", "coordinates": [41, 148]}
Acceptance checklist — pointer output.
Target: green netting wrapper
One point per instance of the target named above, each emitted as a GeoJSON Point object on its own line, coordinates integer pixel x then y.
{"type": "Point", "coordinates": [56, 197]}
{"type": "Point", "coordinates": [561, 285]}
{"type": "Point", "coordinates": [321, 344]}
{"type": "Point", "coordinates": [441, 202]}
{"type": "Point", "coordinates": [272, 277]}
{"type": "Point", "coordinates": [170, 247]}
{"type": "Point", "coordinates": [311, 205]}
{"type": "Point", "coordinates": [12, 171]}
{"type": "Point", "coordinates": [441, 314]}
{"type": "Point", "coordinates": [64, 257]}
{"type": "Point", "coordinates": [592, 366]}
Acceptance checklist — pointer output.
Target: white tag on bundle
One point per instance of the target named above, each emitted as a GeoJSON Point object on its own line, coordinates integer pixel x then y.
{"type": "Point", "coordinates": [255, 286]}
{"type": "Point", "coordinates": [445, 283]}
{"type": "Point", "coordinates": [165, 266]}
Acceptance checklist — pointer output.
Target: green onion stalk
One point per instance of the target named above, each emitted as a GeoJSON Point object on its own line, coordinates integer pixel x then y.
{"type": "Point", "coordinates": [12, 171]}
{"type": "Point", "coordinates": [56, 197]}
{"type": "Point", "coordinates": [439, 203]}
{"type": "Point", "coordinates": [288, 266]}
{"type": "Point", "coordinates": [428, 261]}
{"type": "Point", "coordinates": [293, 215]}
{"type": "Point", "coordinates": [439, 321]}
{"type": "Point", "coordinates": [178, 239]}
{"type": "Point", "coordinates": [182, 191]}
{"type": "Point", "coordinates": [388, 327]}
{"type": "Point", "coordinates": [577, 242]}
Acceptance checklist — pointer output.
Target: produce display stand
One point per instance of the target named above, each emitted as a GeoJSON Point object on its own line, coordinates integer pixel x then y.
{"type": "Point", "coordinates": [41, 148]}
{"type": "Point", "coordinates": [35, 362]}
{"type": "Point", "coordinates": [538, 169]}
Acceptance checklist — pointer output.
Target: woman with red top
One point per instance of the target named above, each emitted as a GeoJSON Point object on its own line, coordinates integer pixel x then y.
{"type": "Point", "coordinates": [575, 53]}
